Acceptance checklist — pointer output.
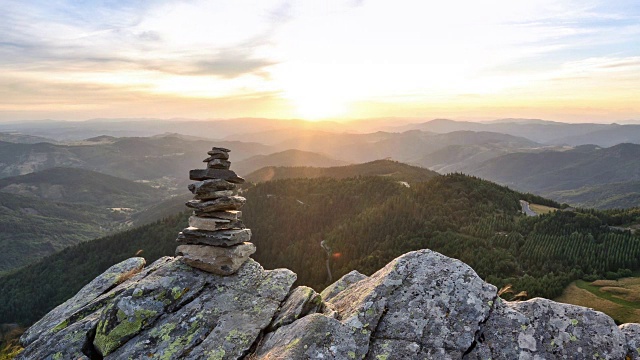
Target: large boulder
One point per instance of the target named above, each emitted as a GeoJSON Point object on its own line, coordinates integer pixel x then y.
{"type": "Point", "coordinates": [421, 305]}
{"type": "Point", "coordinates": [168, 311]}
{"type": "Point", "coordinates": [423, 302]}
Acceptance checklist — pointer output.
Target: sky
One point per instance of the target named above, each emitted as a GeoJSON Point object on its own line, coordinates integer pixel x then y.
{"type": "Point", "coordinates": [562, 60]}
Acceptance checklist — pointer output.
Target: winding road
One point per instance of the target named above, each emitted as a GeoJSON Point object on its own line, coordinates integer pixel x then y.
{"type": "Point", "coordinates": [526, 209]}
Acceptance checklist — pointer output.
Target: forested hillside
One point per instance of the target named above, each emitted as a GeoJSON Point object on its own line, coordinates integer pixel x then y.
{"type": "Point", "coordinates": [367, 221]}
{"type": "Point", "coordinates": [31, 228]}
{"type": "Point", "coordinates": [607, 196]}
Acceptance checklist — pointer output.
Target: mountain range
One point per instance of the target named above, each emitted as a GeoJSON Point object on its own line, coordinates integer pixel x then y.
{"type": "Point", "coordinates": [549, 171]}
{"type": "Point", "coordinates": [545, 132]}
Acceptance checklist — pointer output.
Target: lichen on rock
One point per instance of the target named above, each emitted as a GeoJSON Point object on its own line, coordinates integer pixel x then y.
{"type": "Point", "coordinates": [422, 305]}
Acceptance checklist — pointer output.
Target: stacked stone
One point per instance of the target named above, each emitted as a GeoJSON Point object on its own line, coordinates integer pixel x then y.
{"type": "Point", "coordinates": [216, 240]}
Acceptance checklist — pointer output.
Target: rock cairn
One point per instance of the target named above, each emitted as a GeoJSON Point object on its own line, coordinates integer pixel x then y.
{"type": "Point", "coordinates": [216, 240]}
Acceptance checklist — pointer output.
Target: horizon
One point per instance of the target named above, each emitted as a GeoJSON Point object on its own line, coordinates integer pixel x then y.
{"type": "Point", "coordinates": [399, 119]}
{"type": "Point", "coordinates": [565, 61]}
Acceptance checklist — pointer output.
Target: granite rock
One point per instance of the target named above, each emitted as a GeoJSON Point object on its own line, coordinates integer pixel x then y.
{"type": "Point", "coordinates": [632, 337]}
{"type": "Point", "coordinates": [171, 311]}
{"type": "Point", "coordinates": [113, 276]}
{"type": "Point", "coordinates": [344, 282]}
{"type": "Point", "coordinates": [301, 301]}
{"type": "Point", "coordinates": [422, 305]}
{"type": "Point", "coordinates": [413, 298]}
{"type": "Point", "coordinates": [313, 337]}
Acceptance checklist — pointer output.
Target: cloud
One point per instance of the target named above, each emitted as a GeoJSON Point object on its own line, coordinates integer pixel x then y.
{"type": "Point", "coordinates": [112, 36]}
{"type": "Point", "coordinates": [329, 53]}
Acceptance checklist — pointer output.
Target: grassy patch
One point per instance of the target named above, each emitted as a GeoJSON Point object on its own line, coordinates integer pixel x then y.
{"type": "Point", "coordinates": [578, 296]}
{"type": "Point", "coordinates": [599, 292]}
{"type": "Point", "coordinates": [9, 345]}
{"type": "Point", "coordinates": [541, 209]}
{"type": "Point", "coordinates": [619, 299]}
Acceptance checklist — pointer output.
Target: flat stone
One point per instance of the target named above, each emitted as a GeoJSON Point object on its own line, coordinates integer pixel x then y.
{"type": "Point", "coordinates": [213, 224]}
{"type": "Point", "coordinates": [207, 186]}
{"type": "Point", "coordinates": [219, 164]}
{"type": "Point", "coordinates": [220, 155]}
{"type": "Point", "coordinates": [216, 260]}
{"type": "Point", "coordinates": [207, 174]}
{"type": "Point", "coordinates": [215, 148]}
{"type": "Point", "coordinates": [223, 203]}
{"type": "Point", "coordinates": [344, 282]}
{"type": "Point", "coordinates": [214, 195]}
{"type": "Point", "coordinates": [222, 215]}
{"type": "Point", "coordinates": [222, 238]}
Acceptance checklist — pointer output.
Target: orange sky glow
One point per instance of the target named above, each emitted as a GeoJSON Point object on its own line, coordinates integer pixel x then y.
{"type": "Point", "coordinates": [560, 60]}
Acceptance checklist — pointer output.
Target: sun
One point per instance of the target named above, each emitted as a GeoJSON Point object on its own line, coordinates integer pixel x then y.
{"type": "Point", "coordinates": [313, 108]}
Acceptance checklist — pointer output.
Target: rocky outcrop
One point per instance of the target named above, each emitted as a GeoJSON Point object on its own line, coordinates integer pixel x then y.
{"type": "Point", "coordinates": [167, 311]}
{"type": "Point", "coordinates": [422, 305]}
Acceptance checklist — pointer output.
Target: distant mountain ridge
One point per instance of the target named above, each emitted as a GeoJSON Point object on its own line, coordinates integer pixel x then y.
{"type": "Point", "coordinates": [290, 157]}
{"type": "Point", "coordinates": [385, 168]}
{"type": "Point", "coordinates": [542, 131]}
{"type": "Point", "coordinates": [549, 171]}
{"type": "Point", "coordinates": [23, 138]}
{"type": "Point", "coordinates": [130, 158]}
{"type": "Point", "coordinates": [73, 185]}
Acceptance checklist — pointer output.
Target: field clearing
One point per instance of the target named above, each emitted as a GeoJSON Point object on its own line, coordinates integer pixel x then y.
{"type": "Point", "coordinates": [541, 209]}
{"type": "Point", "coordinates": [618, 299]}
